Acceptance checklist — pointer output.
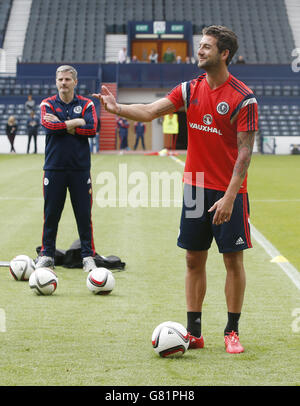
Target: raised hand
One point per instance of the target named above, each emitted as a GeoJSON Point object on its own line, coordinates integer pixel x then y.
{"type": "Point", "coordinates": [108, 100]}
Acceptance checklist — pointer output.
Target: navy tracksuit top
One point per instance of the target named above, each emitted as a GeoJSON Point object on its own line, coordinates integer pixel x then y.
{"type": "Point", "coordinates": [65, 151]}
{"type": "Point", "coordinates": [139, 128]}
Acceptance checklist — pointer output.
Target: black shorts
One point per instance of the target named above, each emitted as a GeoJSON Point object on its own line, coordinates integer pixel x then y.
{"type": "Point", "coordinates": [197, 231]}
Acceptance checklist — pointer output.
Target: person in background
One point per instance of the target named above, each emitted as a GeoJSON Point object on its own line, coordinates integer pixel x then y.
{"type": "Point", "coordinates": [123, 126]}
{"type": "Point", "coordinates": [134, 59]}
{"type": "Point", "coordinates": [139, 129]}
{"type": "Point", "coordinates": [122, 55]}
{"type": "Point", "coordinates": [170, 130]}
{"type": "Point", "coordinates": [69, 121]}
{"type": "Point", "coordinates": [32, 130]}
{"type": "Point", "coordinates": [11, 132]}
{"type": "Point", "coordinates": [169, 56]}
{"type": "Point", "coordinates": [240, 60]}
{"type": "Point", "coordinates": [153, 56]}
{"type": "Point", "coordinates": [29, 104]}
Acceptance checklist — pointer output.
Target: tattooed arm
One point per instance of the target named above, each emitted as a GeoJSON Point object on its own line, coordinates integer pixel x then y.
{"type": "Point", "coordinates": [245, 142]}
{"type": "Point", "coordinates": [223, 207]}
{"type": "Point", "coordinates": [137, 112]}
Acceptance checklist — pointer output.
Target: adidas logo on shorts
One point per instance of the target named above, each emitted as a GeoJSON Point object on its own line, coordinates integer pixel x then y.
{"type": "Point", "coordinates": [239, 241]}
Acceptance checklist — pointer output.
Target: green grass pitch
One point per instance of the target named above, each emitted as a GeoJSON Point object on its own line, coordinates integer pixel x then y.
{"type": "Point", "coordinates": [76, 338]}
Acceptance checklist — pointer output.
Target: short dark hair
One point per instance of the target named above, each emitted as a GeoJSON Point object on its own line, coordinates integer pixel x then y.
{"type": "Point", "coordinates": [226, 39]}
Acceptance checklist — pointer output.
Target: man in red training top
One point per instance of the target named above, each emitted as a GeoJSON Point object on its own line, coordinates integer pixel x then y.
{"type": "Point", "coordinates": [221, 120]}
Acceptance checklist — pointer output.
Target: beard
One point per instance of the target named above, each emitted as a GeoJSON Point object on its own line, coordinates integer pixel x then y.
{"type": "Point", "coordinates": [211, 63]}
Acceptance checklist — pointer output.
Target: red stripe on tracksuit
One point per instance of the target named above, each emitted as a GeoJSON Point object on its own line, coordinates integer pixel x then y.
{"type": "Point", "coordinates": [246, 220]}
{"type": "Point", "coordinates": [48, 124]}
{"type": "Point", "coordinates": [44, 213]}
{"type": "Point", "coordinates": [92, 230]}
{"type": "Point", "coordinates": [84, 131]}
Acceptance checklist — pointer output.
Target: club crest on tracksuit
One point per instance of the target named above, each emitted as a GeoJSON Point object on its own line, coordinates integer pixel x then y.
{"type": "Point", "coordinates": [77, 109]}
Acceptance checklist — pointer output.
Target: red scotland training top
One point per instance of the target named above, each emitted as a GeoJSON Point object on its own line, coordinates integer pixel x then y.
{"type": "Point", "coordinates": [214, 117]}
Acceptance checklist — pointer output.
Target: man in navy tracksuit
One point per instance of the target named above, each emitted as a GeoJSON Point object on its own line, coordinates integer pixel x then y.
{"type": "Point", "coordinates": [69, 120]}
{"type": "Point", "coordinates": [123, 125]}
{"type": "Point", "coordinates": [139, 129]}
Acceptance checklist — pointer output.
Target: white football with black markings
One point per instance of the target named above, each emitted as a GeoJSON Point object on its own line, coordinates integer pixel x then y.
{"type": "Point", "coordinates": [43, 281]}
{"type": "Point", "coordinates": [21, 267]}
{"type": "Point", "coordinates": [170, 339]}
{"type": "Point", "coordinates": [100, 281]}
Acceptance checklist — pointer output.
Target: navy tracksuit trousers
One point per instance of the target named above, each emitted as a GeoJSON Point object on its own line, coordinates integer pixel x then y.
{"type": "Point", "coordinates": [56, 184]}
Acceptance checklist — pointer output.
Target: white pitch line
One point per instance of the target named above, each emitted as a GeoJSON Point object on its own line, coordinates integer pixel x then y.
{"type": "Point", "coordinates": [275, 200]}
{"type": "Point", "coordinates": [287, 267]}
{"type": "Point", "coordinates": [272, 251]}
{"type": "Point", "coordinates": [179, 161]}
{"type": "Point", "coordinates": [20, 198]}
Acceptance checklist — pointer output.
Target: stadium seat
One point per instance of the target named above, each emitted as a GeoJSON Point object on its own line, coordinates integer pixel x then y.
{"type": "Point", "coordinates": [287, 90]}
{"type": "Point", "coordinates": [295, 90]}
{"type": "Point", "coordinates": [276, 90]}
{"type": "Point", "coordinates": [268, 90]}
{"type": "Point", "coordinates": [259, 90]}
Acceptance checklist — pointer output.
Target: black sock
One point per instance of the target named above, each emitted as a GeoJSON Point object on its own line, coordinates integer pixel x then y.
{"type": "Point", "coordinates": [194, 323]}
{"type": "Point", "coordinates": [232, 323]}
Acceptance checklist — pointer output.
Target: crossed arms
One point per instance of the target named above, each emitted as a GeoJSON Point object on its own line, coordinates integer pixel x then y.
{"type": "Point", "coordinates": [85, 126]}
{"type": "Point", "coordinates": [71, 125]}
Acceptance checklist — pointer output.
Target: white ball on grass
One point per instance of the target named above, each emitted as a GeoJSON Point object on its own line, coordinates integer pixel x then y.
{"type": "Point", "coordinates": [100, 281]}
{"type": "Point", "coordinates": [43, 281]}
{"type": "Point", "coordinates": [170, 339]}
{"type": "Point", "coordinates": [21, 267]}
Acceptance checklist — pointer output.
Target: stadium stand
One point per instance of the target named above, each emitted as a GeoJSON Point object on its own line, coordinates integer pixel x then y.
{"type": "Point", "coordinates": [81, 25]}
{"type": "Point", "coordinates": [18, 111]}
{"type": "Point", "coordinates": [5, 6]}
{"type": "Point", "coordinates": [72, 30]}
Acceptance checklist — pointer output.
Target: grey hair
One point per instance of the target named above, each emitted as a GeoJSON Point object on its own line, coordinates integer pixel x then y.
{"type": "Point", "coordinates": [67, 68]}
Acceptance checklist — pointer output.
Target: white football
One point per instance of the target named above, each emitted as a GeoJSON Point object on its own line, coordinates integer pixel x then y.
{"type": "Point", "coordinates": [21, 267]}
{"type": "Point", "coordinates": [163, 152]}
{"type": "Point", "coordinates": [43, 281]}
{"type": "Point", "coordinates": [170, 339]}
{"type": "Point", "coordinates": [100, 281]}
